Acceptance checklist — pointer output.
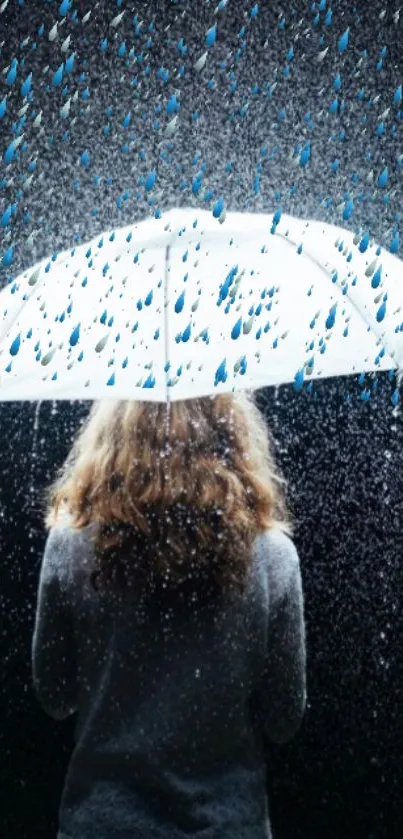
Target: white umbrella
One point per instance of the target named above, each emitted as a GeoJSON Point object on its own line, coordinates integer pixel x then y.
{"type": "Point", "coordinates": [188, 304]}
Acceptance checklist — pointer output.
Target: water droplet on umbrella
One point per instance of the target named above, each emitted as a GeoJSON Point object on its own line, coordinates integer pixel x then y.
{"type": "Point", "coordinates": [101, 343]}
{"type": "Point", "coordinates": [221, 373]}
{"type": "Point", "coordinates": [180, 303]}
{"type": "Point", "coordinates": [364, 243]}
{"type": "Point", "coordinates": [331, 317]}
{"type": "Point", "coordinates": [15, 346]}
{"type": "Point", "coordinates": [236, 330]}
{"type": "Point", "coordinates": [150, 382]}
{"type": "Point", "coordinates": [75, 336]}
{"type": "Point", "coordinates": [381, 312]}
{"type": "Point", "coordinates": [48, 357]}
{"type": "Point", "coordinates": [371, 268]}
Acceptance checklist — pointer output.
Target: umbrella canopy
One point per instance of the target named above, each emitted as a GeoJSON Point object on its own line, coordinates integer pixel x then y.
{"type": "Point", "coordinates": [188, 304]}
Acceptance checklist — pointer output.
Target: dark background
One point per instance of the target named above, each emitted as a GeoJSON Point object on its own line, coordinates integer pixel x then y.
{"type": "Point", "coordinates": [342, 777]}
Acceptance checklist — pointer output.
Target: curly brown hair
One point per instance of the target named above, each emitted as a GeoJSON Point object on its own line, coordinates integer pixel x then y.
{"type": "Point", "coordinates": [179, 490]}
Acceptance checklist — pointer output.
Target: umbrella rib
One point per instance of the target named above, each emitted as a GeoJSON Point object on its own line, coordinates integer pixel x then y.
{"type": "Point", "coordinates": [318, 262]}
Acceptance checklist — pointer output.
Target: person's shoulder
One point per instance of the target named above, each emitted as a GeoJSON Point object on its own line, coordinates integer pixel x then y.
{"type": "Point", "coordinates": [278, 558]}
{"type": "Point", "coordinates": [64, 542]}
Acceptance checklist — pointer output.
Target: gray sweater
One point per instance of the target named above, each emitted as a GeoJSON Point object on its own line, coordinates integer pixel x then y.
{"type": "Point", "coordinates": [173, 706]}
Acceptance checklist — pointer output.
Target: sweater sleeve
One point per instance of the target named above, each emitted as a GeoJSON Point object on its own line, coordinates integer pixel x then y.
{"type": "Point", "coordinates": [281, 695]}
{"type": "Point", "coordinates": [54, 667]}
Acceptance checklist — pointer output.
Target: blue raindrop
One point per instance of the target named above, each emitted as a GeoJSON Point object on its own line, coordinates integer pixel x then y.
{"type": "Point", "coordinates": [331, 317]}
{"type": "Point", "coordinates": [227, 284]}
{"type": "Point", "coordinates": [236, 330]}
{"type": "Point", "coordinates": [8, 256]}
{"type": "Point", "coordinates": [376, 279]}
{"type": "Point", "coordinates": [149, 298]}
{"type": "Point", "coordinates": [186, 334]}
{"type": "Point", "coordinates": [180, 303]}
{"type": "Point", "coordinates": [395, 398]}
{"type": "Point", "coordinates": [3, 107]}
{"type": "Point", "coordinates": [381, 312]}
{"type": "Point", "coordinates": [305, 154]}
{"type": "Point", "coordinates": [348, 210]}
{"type": "Point", "coordinates": [337, 82]}
{"type": "Point", "coordinates": [394, 245]}
{"type": "Point", "coordinates": [75, 336]}
{"type": "Point", "coordinates": [173, 105]}
{"type": "Point", "coordinates": [6, 217]}
{"type": "Point", "coordinates": [243, 365]}
{"type": "Point", "coordinates": [211, 36]}
{"type": "Point", "coordinates": [218, 208]}
{"type": "Point", "coordinates": [364, 243]}
{"type": "Point", "coordinates": [12, 73]}
{"type": "Point", "coordinates": [150, 382]}
{"type": "Point", "coordinates": [58, 75]}
{"type": "Point", "coordinates": [26, 86]}
{"type": "Point", "coordinates": [85, 158]}
{"type": "Point", "coordinates": [343, 41]}
{"type": "Point", "coordinates": [9, 153]}
{"type": "Point", "coordinates": [69, 66]}
{"type": "Point", "coordinates": [64, 7]}
{"type": "Point", "coordinates": [221, 373]}
{"type": "Point", "coordinates": [299, 379]}
{"type": "Point", "coordinates": [150, 180]}
{"type": "Point", "coordinates": [398, 96]}
{"type": "Point", "coordinates": [383, 178]}
{"type": "Point", "coordinates": [15, 346]}
{"type": "Point", "coordinates": [111, 381]}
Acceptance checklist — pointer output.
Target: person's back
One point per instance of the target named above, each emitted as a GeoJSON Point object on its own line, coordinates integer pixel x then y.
{"type": "Point", "coordinates": [175, 694]}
